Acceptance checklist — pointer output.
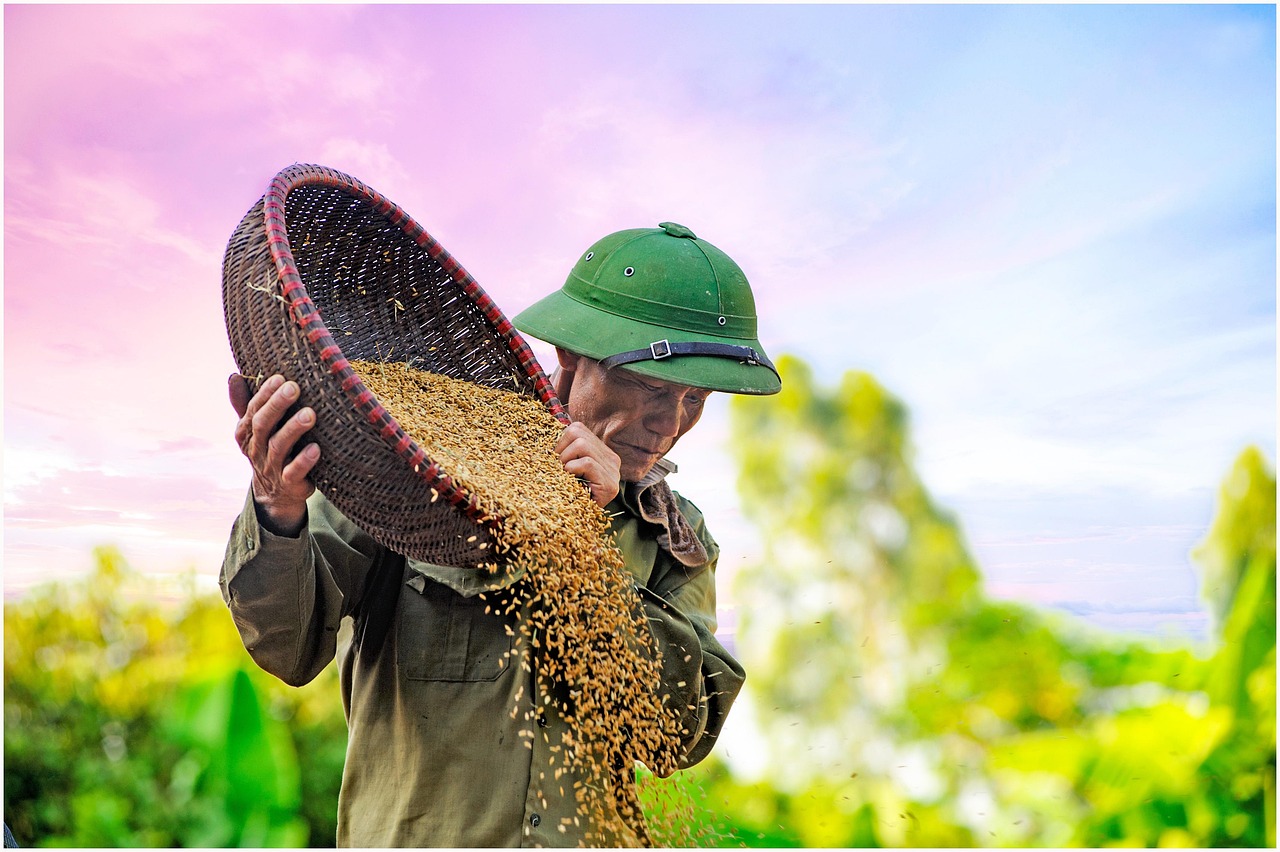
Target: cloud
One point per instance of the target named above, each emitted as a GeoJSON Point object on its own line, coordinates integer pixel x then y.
{"type": "Point", "coordinates": [23, 470]}
{"type": "Point", "coordinates": [108, 218]}
{"type": "Point", "coordinates": [372, 163]}
{"type": "Point", "coordinates": [188, 443]}
{"type": "Point", "coordinates": [1173, 627]}
{"type": "Point", "coordinates": [79, 496]}
{"type": "Point", "coordinates": [36, 557]}
{"type": "Point", "coordinates": [719, 169]}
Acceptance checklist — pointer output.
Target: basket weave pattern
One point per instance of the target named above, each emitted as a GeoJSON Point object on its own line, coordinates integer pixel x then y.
{"type": "Point", "coordinates": [324, 269]}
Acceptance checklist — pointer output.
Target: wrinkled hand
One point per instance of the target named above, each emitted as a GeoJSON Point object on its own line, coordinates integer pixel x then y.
{"type": "Point", "coordinates": [280, 484]}
{"type": "Point", "coordinates": [586, 457]}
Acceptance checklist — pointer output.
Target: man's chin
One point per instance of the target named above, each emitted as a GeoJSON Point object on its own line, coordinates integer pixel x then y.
{"type": "Point", "coordinates": [634, 462]}
{"type": "Point", "coordinates": [637, 472]}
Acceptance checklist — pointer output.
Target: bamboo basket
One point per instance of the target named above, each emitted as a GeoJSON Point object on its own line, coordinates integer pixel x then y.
{"type": "Point", "coordinates": [324, 269]}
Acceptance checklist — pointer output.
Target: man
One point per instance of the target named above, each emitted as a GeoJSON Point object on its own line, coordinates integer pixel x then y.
{"type": "Point", "coordinates": [647, 325]}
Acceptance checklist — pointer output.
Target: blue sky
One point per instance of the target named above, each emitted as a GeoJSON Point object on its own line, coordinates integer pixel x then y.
{"type": "Point", "coordinates": [1050, 230]}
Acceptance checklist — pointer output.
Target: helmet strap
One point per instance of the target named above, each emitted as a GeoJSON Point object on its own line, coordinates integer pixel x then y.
{"type": "Point", "coordinates": [660, 350]}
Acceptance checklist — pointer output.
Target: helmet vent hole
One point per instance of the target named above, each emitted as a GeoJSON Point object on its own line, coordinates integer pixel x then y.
{"type": "Point", "coordinates": [629, 271]}
{"type": "Point", "coordinates": [721, 320]}
{"type": "Point", "coordinates": [590, 255]}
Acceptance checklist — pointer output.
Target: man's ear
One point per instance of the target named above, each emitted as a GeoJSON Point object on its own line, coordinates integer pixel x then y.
{"type": "Point", "coordinates": [568, 360]}
{"type": "Point", "coordinates": [562, 379]}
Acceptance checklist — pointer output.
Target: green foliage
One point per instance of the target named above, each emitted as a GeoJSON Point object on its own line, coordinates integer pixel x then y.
{"type": "Point", "coordinates": [1242, 534]}
{"type": "Point", "coordinates": [1238, 559]}
{"type": "Point", "coordinates": [133, 717]}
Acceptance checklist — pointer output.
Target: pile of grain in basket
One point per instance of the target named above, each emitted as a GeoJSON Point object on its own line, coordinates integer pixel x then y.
{"type": "Point", "coordinates": [590, 647]}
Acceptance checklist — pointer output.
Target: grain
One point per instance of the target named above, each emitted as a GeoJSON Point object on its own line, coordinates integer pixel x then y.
{"type": "Point", "coordinates": [590, 650]}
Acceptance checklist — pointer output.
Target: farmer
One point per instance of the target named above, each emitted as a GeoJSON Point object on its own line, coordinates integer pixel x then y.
{"type": "Point", "coordinates": [648, 324]}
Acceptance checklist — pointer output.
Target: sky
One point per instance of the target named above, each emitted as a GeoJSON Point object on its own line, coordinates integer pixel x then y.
{"type": "Point", "coordinates": [1049, 230]}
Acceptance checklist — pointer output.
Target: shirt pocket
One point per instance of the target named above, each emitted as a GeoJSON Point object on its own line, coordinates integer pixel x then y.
{"type": "Point", "coordinates": [444, 636]}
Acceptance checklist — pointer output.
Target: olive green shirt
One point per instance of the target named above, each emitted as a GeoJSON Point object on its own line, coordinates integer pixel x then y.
{"type": "Point", "coordinates": [449, 742]}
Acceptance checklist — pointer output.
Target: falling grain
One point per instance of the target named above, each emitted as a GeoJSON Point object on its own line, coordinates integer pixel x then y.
{"type": "Point", "coordinates": [576, 609]}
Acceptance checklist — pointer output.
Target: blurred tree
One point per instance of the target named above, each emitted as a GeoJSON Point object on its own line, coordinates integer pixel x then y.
{"type": "Point", "coordinates": [888, 685]}
{"type": "Point", "coordinates": [1238, 566]}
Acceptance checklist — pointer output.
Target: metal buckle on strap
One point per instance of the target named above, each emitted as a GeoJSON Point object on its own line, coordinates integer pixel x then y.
{"type": "Point", "coordinates": [660, 349]}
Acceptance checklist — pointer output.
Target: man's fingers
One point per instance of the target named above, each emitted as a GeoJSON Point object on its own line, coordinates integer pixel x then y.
{"type": "Point", "coordinates": [576, 433]}
{"type": "Point", "coordinates": [271, 409]}
{"type": "Point", "coordinates": [284, 439]}
{"type": "Point", "coordinates": [268, 443]}
{"type": "Point", "coordinates": [281, 485]}
{"type": "Point", "coordinates": [295, 473]}
{"type": "Point", "coordinates": [587, 457]}
{"type": "Point", "coordinates": [584, 467]}
{"type": "Point", "coordinates": [570, 434]}
{"type": "Point", "coordinates": [600, 481]}
{"type": "Point", "coordinates": [585, 447]}
{"type": "Point", "coordinates": [263, 394]}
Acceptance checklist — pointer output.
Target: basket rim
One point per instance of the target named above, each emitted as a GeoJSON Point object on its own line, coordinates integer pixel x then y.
{"type": "Point", "coordinates": [305, 314]}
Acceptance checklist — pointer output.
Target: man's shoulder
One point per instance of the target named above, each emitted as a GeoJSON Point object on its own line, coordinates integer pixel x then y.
{"type": "Point", "coordinates": [688, 508]}
{"type": "Point", "coordinates": [697, 521]}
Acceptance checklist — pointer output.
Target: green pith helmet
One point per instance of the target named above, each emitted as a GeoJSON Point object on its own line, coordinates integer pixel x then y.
{"type": "Point", "coordinates": [663, 303]}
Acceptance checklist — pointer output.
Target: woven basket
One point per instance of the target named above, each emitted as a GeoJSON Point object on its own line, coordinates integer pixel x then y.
{"type": "Point", "coordinates": [324, 269]}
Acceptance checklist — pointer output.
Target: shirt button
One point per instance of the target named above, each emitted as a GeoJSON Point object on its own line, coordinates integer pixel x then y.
{"type": "Point", "coordinates": [535, 820]}
{"type": "Point", "coordinates": [542, 722]}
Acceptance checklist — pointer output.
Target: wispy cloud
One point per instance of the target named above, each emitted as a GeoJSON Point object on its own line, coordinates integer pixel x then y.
{"type": "Point", "coordinates": [371, 162]}
{"type": "Point", "coordinates": [98, 215]}
{"type": "Point", "coordinates": [77, 497]}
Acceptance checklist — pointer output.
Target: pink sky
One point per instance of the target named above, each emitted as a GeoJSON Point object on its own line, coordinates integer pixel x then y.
{"type": "Point", "coordinates": [1041, 270]}
{"type": "Point", "coordinates": [129, 160]}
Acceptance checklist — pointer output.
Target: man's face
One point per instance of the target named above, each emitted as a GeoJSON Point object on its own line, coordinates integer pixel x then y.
{"type": "Point", "coordinates": [637, 417]}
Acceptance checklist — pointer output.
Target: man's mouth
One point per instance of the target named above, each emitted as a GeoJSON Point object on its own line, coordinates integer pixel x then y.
{"type": "Point", "coordinates": [642, 451]}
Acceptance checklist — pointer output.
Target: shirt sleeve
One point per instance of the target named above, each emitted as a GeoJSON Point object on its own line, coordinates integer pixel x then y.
{"type": "Point", "coordinates": [698, 672]}
{"type": "Point", "coordinates": [287, 596]}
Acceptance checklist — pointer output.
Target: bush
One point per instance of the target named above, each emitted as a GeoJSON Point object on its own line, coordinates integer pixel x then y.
{"type": "Point", "coordinates": [133, 717]}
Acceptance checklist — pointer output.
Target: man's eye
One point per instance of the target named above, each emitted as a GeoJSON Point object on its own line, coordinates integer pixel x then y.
{"type": "Point", "coordinates": [632, 381]}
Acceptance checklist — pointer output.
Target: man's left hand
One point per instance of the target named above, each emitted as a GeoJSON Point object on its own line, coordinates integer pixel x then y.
{"type": "Point", "coordinates": [586, 457]}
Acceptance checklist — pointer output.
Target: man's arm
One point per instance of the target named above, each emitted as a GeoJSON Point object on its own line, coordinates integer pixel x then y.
{"type": "Point", "coordinates": [288, 595]}
{"type": "Point", "coordinates": [701, 677]}
{"type": "Point", "coordinates": [293, 567]}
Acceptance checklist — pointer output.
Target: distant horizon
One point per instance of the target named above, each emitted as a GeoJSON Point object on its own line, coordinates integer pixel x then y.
{"type": "Point", "coordinates": [1050, 231]}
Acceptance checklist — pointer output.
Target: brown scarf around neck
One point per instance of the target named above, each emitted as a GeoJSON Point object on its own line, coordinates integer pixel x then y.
{"type": "Point", "coordinates": [656, 503]}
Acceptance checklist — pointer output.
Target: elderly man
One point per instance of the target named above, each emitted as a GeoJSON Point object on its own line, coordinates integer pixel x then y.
{"type": "Point", "coordinates": [648, 324]}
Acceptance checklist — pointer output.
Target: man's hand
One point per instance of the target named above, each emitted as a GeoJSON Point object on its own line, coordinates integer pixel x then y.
{"type": "Point", "coordinates": [586, 457]}
{"type": "Point", "coordinates": [280, 485]}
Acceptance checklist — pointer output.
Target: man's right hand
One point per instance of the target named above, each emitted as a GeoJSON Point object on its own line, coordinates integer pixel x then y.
{"type": "Point", "coordinates": [280, 484]}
